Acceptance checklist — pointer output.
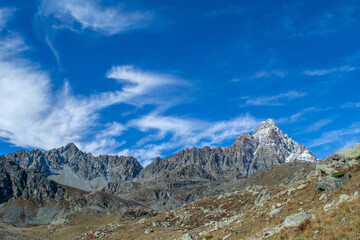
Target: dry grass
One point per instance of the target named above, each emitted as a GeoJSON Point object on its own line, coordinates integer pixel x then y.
{"type": "Point", "coordinates": [343, 222]}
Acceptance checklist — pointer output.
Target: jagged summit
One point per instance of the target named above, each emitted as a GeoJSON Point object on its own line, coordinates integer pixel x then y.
{"type": "Point", "coordinates": [71, 146]}
{"type": "Point", "coordinates": [265, 129]}
{"type": "Point", "coordinates": [270, 123]}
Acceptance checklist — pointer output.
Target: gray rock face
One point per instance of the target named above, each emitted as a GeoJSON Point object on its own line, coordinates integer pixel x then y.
{"type": "Point", "coordinates": [69, 162]}
{"type": "Point", "coordinates": [297, 219]}
{"type": "Point", "coordinates": [48, 200]}
{"type": "Point", "coordinates": [18, 182]}
{"type": "Point", "coordinates": [266, 147]}
{"type": "Point", "coordinates": [330, 184]}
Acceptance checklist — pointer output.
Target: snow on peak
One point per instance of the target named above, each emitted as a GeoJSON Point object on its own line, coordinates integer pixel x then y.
{"type": "Point", "coordinates": [264, 129]}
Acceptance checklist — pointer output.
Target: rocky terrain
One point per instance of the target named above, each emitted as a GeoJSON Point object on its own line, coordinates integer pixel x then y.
{"type": "Point", "coordinates": [265, 185]}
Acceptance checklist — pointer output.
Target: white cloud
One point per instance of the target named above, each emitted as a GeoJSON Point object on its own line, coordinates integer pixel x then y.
{"type": "Point", "coordinates": [53, 50]}
{"type": "Point", "coordinates": [90, 14]}
{"type": "Point", "coordinates": [322, 72]}
{"type": "Point", "coordinates": [164, 124]}
{"type": "Point", "coordinates": [337, 136]}
{"type": "Point", "coordinates": [296, 117]}
{"type": "Point", "coordinates": [184, 133]}
{"type": "Point", "coordinates": [137, 82]}
{"type": "Point", "coordinates": [33, 115]}
{"type": "Point", "coordinates": [105, 141]}
{"type": "Point", "coordinates": [5, 14]}
{"type": "Point", "coordinates": [351, 105]}
{"type": "Point", "coordinates": [273, 100]}
{"type": "Point", "coordinates": [266, 74]}
{"type": "Point", "coordinates": [318, 125]}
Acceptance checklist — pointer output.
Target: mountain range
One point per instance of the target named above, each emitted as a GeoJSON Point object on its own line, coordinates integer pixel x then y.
{"type": "Point", "coordinates": [42, 187]}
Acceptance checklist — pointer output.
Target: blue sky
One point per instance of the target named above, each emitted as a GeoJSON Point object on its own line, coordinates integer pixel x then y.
{"type": "Point", "coordinates": [148, 78]}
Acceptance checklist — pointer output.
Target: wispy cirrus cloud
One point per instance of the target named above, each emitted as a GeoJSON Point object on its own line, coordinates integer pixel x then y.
{"type": "Point", "coordinates": [318, 125]}
{"type": "Point", "coordinates": [138, 82]}
{"type": "Point", "coordinates": [322, 72]}
{"type": "Point", "coordinates": [266, 74]}
{"type": "Point", "coordinates": [78, 15]}
{"type": "Point", "coordinates": [273, 100]}
{"type": "Point", "coordinates": [351, 105]}
{"type": "Point", "coordinates": [184, 132]}
{"type": "Point", "coordinates": [297, 116]}
{"type": "Point", "coordinates": [5, 14]}
{"type": "Point", "coordinates": [34, 115]}
{"type": "Point", "coordinates": [42, 118]}
{"type": "Point", "coordinates": [337, 136]}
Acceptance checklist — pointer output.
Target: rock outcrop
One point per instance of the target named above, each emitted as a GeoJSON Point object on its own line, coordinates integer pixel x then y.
{"type": "Point", "coordinates": [330, 183]}
{"type": "Point", "coordinates": [18, 182]}
{"type": "Point", "coordinates": [297, 219]}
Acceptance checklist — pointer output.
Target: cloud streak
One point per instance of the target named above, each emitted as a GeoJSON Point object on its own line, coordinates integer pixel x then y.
{"type": "Point", "coordinates": [266, 74]}
{"type": "Point", "coordinates": [78, 15]}
{"type": "Point", "coordinates": [273, 100]}
{"type": "Point", "coordinates": [36, 116]}
{"type": "Point", "coordinates": [351, 105]}
{"type": "Point", "coordinates": [184, 133]}
{"type": "Point", "coordinates": [318, 125]}
{"type": "Point", "coordinates": [337, 136]}
{"type": "Point", "coordinates": [323, 72]}
{"type": "Point", "coordinates": [33, 115]}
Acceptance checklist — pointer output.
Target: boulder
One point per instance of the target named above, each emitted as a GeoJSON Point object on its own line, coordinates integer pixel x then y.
{"type": "Point", "coordinates": [297, 219]}
{"type": "Point", "coordinates": [330, 184]}
{"type": "Point", "coordinates": [186, 236]}
{"type": "Point", "coordinates": [274, 212]}
{"type": "Point", "coordinates": [262, 197]}
{"type": "Point", "coordinates": [147, 231]}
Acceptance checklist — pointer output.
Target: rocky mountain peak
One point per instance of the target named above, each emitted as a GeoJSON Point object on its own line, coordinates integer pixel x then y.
{"type": "Point", "coordinates": [270, 123]}
{"type": "Point", "coordinates": [70, 147]}
{"type": "Point", "coordinates": [265, 129]}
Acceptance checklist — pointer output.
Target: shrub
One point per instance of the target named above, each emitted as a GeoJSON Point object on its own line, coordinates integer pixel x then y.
{"type": "Point", "coordinates": [338, 174]}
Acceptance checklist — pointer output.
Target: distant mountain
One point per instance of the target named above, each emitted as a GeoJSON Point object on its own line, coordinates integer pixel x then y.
{"type": "Point", "coordinates": [70, 166]}
{"type": "Point", "coordinates": [266, 147]}
{"type": "Point", "coordinates": [197, 173]}
{"type": "Point", "coordinates": [185, 176]}
{"type": "Point", "coordinates": [28, 197]}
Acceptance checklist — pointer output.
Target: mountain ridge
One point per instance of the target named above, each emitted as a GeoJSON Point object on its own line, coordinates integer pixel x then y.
{"type": "Point", "coordinates": [267, 146]}
{"type": "Point", "coordinates": [168, 182]}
